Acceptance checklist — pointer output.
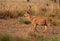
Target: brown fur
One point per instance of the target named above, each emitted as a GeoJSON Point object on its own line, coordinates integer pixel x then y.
{"type": "Point", "coordinates": [36, 20]}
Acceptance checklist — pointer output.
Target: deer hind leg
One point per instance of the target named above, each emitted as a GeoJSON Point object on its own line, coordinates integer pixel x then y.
{"type": "Point", "coordinates": [45, 29]}
{"type": "Point", "coordinates": [51, 28]}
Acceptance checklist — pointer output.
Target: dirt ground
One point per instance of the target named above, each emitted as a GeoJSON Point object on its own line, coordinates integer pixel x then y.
{"type": "Point", "coordinates": [13, 27]}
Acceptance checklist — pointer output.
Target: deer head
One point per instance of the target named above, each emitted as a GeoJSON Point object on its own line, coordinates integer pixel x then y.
{"type": "Point", "coordinates": [27, 14]}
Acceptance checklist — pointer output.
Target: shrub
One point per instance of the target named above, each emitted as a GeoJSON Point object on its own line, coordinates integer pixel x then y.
{"type": "Point", "coordinates": [52, 15]}
{"type": "Point", "coordinates": [24, 20]}
{"type": "Point", "coordinates": [5, 14]}
{"type": "Point", "coordinates": [55, 1]}
{"type": "Point", "coordinates": [2, 14]}
{"type": "Point", "coordinates": [8, 14]}
{"type": "Point", "coordinates": [28, 0]}
{"type": "Point", "coordinates": [54, 23]}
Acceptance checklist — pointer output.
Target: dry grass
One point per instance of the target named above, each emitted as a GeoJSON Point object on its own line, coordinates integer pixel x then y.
{"type": "Point", "coordinates": [17, 9]}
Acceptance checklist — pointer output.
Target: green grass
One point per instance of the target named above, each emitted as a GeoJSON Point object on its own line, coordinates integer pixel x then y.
{"type": "Point", "coordinates": [8, 37]}
{"type": "Point", "coordinates": [24, 20]}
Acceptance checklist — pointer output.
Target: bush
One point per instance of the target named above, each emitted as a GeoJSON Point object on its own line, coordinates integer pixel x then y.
{"type": "Point", "coordinates": [54, 23]}
{"type": "Point", "coordinates": [52, 15]}
{"type": "Point", "coordinates": [24, 20]}
{"type": "Point", "coordinates": [7, 14]}
{"type": "Point", "coordinates": [1, 15]}
{"type": "Point", "coordinates": [55, 1]}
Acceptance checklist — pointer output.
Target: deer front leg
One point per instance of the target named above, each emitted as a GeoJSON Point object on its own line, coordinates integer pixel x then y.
{"type": "Point", "coordinates": [35, 27]}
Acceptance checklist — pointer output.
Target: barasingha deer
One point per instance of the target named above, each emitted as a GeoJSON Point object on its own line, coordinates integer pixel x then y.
{"type": "Point", "coordinates": [37, 20]}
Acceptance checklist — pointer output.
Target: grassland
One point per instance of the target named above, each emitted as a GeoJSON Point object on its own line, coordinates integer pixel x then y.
{"type": "Point", "coordinates": [17, 9]}
{"type": "Point", "coordinates": [8, 37]}
{"type": "Point", "coordinates": [13, 21]}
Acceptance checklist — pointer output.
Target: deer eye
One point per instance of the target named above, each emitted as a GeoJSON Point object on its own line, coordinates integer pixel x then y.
{"type": "Point", "coordinates": [28, 12]}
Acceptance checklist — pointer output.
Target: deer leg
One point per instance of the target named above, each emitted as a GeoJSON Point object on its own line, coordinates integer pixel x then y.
{"type": "Point", "coordinates": [45, 30]}
{"type": "Point", "coordinates": [35, 28]}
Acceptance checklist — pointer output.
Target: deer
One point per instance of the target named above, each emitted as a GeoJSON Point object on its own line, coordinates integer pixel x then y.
{"type": "Point", "coordinates": [37, 20]}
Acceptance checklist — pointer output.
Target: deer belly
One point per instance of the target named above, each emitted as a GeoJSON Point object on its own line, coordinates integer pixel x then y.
{"type": "Point", "coordinates": [41, 23]}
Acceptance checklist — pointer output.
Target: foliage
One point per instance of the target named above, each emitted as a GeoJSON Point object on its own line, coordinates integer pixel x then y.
{"type": "Point", "coordinates": [24, 20]}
